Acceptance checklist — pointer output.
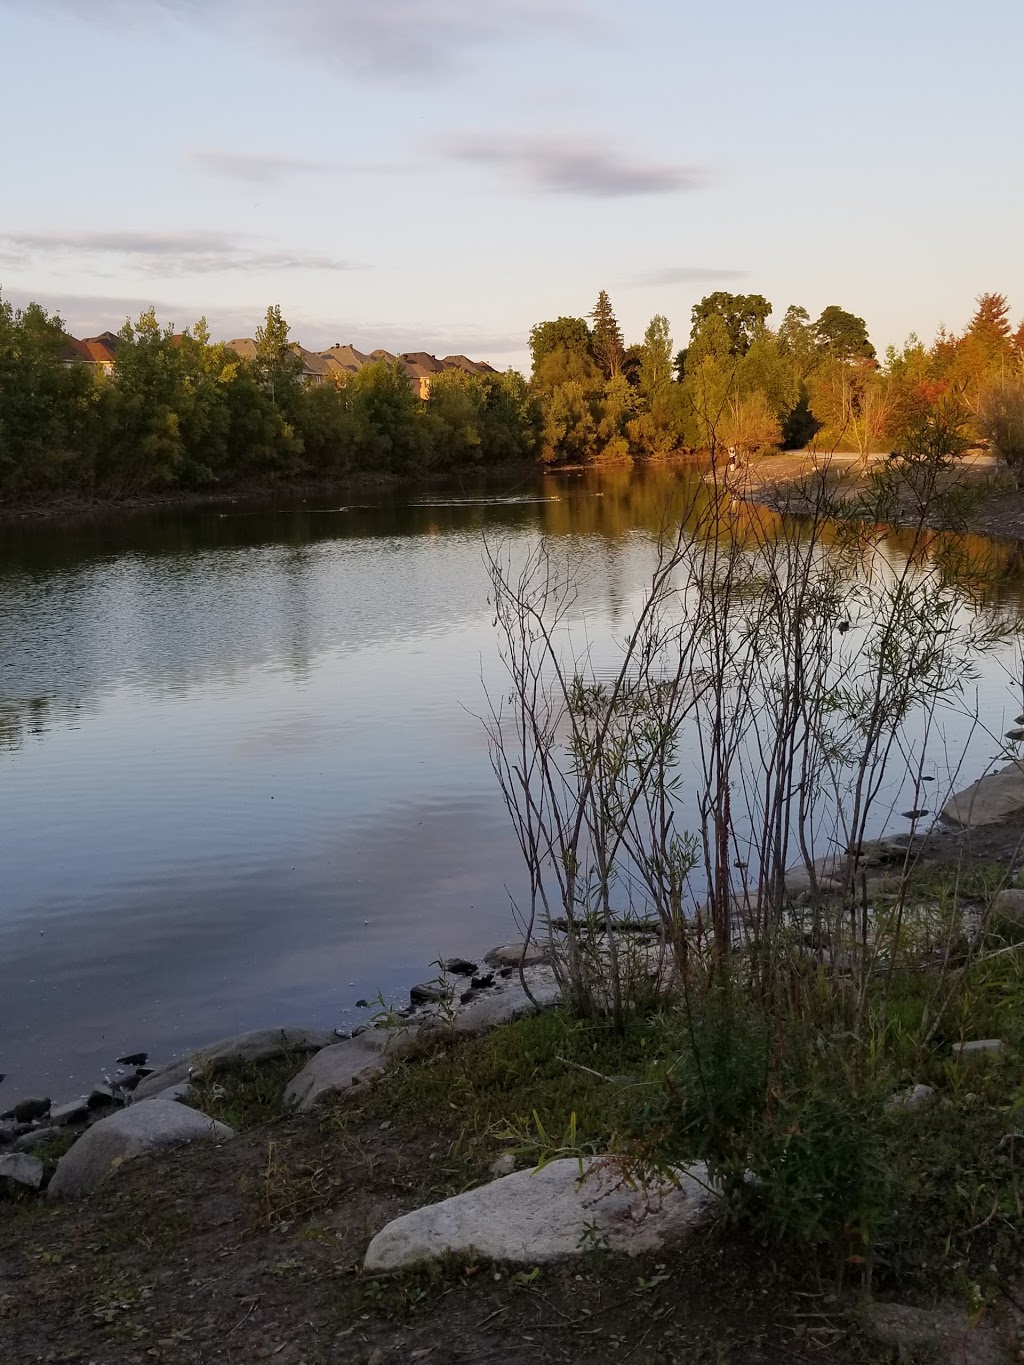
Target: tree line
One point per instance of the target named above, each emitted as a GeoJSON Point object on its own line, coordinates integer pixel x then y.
{"type": "Point", "coordinates": [744, 384]}
{"type": "Point", "coordinates": [181, 411]}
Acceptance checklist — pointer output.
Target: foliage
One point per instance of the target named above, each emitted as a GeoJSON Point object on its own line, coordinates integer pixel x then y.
{"type": "Point", "coordinates": [182, 412]}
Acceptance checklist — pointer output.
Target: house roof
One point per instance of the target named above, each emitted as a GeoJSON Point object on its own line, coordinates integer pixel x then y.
{"type": "Point", "coordinates": [102, 349]}
{"type": "Point", "coordinates": [383, 355]}
{"type": "Point", "coordinates": [346, 357]}
{"type": "Point", "coordinates": [422, 362]}
{"type": "Point", "coordinates": [243, 346]}
{"type": "Point", "coordinates": [462, 362]}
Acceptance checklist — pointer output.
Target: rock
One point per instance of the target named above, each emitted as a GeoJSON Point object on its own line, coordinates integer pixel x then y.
{"type": "Point", "coordinates": [991, 799]}
{"type": "Point", "coordinates": [427, 994]}
{"type": "Point", "coordinates": [481, 983]}
{"type": "Point", "coordinates": [77, 1111]}
{"type": "Point", "coordinates": [941, 1332]}
{"type": "Point", "coordinates": [30, 1141]}
{"type": "Point", "coordinates": [917, 1097]}
{"type": "Point", "coordinates": [511, 954]}
{"type": "Point", "coordinates": [129, 1083]}
{"type": "Point", "coordinates": [537, 1216]}
{"type": "Point", "coordinates": [27, 1111]}
{"type": "Point", "coordinates": [502, 1166]}
{"type": "Point", "coordinates": [1009, 907]}
{"type": "Point", "coordinates": [342, 1065]}
{"type": "Point", "coordinates": [1014, 735]}
{"type": "Point", "coordinates": [101, 1097]}
{"type": "Point", "coordinates": [977, 1048]}
{"type": "Point", "coordinates": [438, 1033]}
{"type": "Point", "coordinates": [149, 1126]}
{"type": "Point", "coordinates": [509, 1002]}
{"type": "Point", "coordinates": [460, 966]}
{"type": "Point", "coordinates": [133, 1059]}
{"type": "Point", "coordinates": [6, 1135]}
{"type": "Point", "coordinates": [259, 1045]}
{"type": "Point", "coordinates": [21, 1169]}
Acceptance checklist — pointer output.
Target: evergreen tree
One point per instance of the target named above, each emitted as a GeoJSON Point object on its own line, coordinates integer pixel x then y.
{"type": "Point", "coordinates": [608, 348]}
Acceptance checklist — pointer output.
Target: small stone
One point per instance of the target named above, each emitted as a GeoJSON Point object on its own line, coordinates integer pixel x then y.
{"type": "Point", "coordinates": [503, 1165]}
{"type": "Point", "coordinates": [917, 1097]}
{"type": "Point", "coordinates": [35, 1139]}
{"type": "Point", "coordinates": [480, 983]}
{"type": "Point", "coordinates": [21, 1170]}
{"type": "Point", "coordinates": [466, 997]}
{"type": "Point", "coordinates": [76, 1111]}
{"type": "Point", "coordinates": [460, 966]}
{"type": "Point", "coordinates": [6, 1135]}
{"type": "Point", "coordinates": [133, 1059]}
{"type": "Point", "coordinates": [1009, 907]}
{"type": "Point", "coordinates": [362, 1004]}
{"type": "Point", "coordinates": [102, 1097]}
{"type": "Point", "coordinates": [26, 1111]}
{"type": "Point", "coordinates": [129, 1083]}
{"type": "Point", "coordinates": [977, 1047]}
{"type": "Point", "coordinates": [426, 994]}
{"type": "Point", "coordinates": [1014, 735]}
{"type": "Point", "coordinates": [914, 814]}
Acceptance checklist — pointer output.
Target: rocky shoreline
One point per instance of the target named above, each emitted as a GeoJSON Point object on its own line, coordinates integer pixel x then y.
{"type": "Point", "coordinates": [144, 1107]}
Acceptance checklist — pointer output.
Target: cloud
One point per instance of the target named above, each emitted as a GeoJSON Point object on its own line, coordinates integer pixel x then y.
{"type": "Point", "coordinates": [572, 166]}
{"type": "Point", "coordinates": [197, 253]}
{"type": "Point", "coordinates": [685, 274]}
{"type": "Point", "coordinates": [398, 41]}
{"type": "Point", "coordinates": [255, 168]}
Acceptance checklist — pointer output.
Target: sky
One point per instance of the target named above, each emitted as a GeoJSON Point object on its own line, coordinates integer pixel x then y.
{"type": "Point", "coordinates": [441, 174]}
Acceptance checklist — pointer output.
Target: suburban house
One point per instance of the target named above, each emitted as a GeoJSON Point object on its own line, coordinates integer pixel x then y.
{"type": "Point", "coordinates": [314, 368]}
{"type": "Point", "coordinates": [335, 365]}
{"type": "Point", "coordinates": [99, 351]}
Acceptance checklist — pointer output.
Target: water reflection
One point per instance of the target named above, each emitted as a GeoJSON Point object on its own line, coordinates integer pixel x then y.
{"type": "Point", "coordinates": [240, 771]}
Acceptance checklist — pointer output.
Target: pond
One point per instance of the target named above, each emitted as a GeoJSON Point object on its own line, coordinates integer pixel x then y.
{"type": "Point", "coordinates": [243, 775]}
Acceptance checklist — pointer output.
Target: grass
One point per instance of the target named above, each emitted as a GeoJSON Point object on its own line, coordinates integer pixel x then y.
{"type": "Point", "coordinates": [251, 1095]}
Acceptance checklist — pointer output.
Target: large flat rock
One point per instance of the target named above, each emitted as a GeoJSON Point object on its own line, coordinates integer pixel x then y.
{"type": "Point", "coordinates": [343, 1065]}
{"type": "Point", "coordinates": [149, 1126]}
{"type": "Point", "coordinates": [992, 798]}
{"type": "Point", "coordinates": [531, 1217]}
{"type": "Point", "coordinates": [509, 1001]}
{"type": "Point", "coordinates": [259, 1045]}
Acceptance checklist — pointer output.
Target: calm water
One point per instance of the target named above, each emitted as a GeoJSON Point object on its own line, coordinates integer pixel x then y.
{"type": "Point", "coordinates": [242, 777]}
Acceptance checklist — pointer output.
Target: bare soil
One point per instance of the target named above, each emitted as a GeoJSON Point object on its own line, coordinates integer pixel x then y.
{"type": "Point", "coordinates": [251, 1251]}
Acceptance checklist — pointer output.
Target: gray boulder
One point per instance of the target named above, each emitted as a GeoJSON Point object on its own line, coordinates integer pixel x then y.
{"type": "Point", "coordinates": [977, 1049]}
{"type": "Point", "coordinates": [537, 1216]}
{"type": "Point", "coordinates": [259, 1045]}
{"type": "Point", "coordinates": [509, 1001]}
{"type": "Point", "coordinates": [28, 1142]}
{"type": "Point", "coordinates": [511, 954]}
{"type": "Point", "coordinates": [1009, 906]}
{"type": "Point", "coordinates": [21, 1170]}
{"type": "Point", "coordinates": [992, 798]}
{"type": "Point", "coordinates": [149, 1126]}
{"type": "Point", "coordinates": [75, 1111]}
{"type": "Point", "coordinates": [343, 1065]}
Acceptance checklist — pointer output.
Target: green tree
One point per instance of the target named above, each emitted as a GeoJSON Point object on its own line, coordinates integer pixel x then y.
{"type": "Point", "coordinates": [606, 337]}
{"type": "Point", "coordinates": [562, 353]}
{"type": "Point", "coordinates": [276, 363]}
{"type": "Point", "coordinates": [842, 335]}
{"type": "Point", "coordinates": [740, 314]}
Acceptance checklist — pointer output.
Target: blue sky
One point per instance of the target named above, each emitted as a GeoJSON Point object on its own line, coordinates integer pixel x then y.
{"type": "Point", "coordinates": [441, 174]}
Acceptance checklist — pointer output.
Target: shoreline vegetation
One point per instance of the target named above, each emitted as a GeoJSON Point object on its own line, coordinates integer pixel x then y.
{"type": "Point", "coordinates": [172, 412]}
{"type": "Point", "coordinates": [819, 1030]}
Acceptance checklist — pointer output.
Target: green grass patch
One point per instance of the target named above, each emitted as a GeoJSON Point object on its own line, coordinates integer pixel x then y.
{"type": "Point", "coordinates": [525, 1086]}
{"type": "Point", "coordinates": [248, 1096]}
